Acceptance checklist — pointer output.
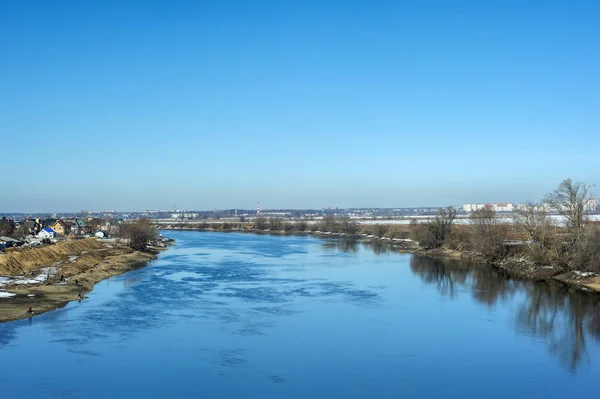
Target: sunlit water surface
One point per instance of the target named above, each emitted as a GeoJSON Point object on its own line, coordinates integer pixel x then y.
{"type": "Point", "coordinates": [248, 316]}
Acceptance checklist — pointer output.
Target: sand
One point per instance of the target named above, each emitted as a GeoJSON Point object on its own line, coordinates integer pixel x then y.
{"type": "Point", "coordinates": [83, 263]}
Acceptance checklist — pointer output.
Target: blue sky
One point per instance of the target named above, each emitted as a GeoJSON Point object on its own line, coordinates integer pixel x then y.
{"type": "Point", "coordinates": [219, 104]}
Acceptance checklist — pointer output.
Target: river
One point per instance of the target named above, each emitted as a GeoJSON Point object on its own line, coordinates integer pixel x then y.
{"type": "Point", "coordinates": [255, 316]}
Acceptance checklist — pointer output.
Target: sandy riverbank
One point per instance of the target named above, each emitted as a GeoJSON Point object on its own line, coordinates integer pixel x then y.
{"type": "Point", "coordinates": [31, 277]}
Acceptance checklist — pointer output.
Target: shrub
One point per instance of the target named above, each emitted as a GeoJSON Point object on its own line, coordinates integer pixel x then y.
{"type": "Point", "coordinates": [586, 252]}
{"type": "Point", "coordinates": [260, 223]}
{"type": "Point", "coordinates": [276, 224]}
{"type": "Point", "coordinates": [139, 233]}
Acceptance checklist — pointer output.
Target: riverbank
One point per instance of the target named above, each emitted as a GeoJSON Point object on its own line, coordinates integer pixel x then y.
{"type": "Point", "coordinates": [514, 266]}
{"type": "Point", "coordinates": [32, 277]}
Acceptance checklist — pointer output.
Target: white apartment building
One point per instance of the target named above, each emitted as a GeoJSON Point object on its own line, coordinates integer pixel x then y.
{"type": "Point", "coordinates": [501, 207]}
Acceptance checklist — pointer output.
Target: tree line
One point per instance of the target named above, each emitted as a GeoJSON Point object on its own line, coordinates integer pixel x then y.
{"type": "Point", "coordinates": [574, 245]}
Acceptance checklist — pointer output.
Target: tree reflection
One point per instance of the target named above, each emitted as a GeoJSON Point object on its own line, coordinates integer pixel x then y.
{"type": "Point", "coordinates": [377, 247]}
{"type": "Point", "coordinates": [342, 245]}
{"type": "Point", "coordinates": [562, 316]}
{"type": "Point", "coordinates": [434, 271]}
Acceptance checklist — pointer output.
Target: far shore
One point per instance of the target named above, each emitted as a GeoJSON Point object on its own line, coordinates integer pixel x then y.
{"type": "Point", "coordinates": [82, 264]}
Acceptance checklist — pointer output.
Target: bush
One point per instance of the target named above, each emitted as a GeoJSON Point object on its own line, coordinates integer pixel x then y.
{"type": "Point", "coordinates": [329, 223]}
{"type": "Point", "coordinates": [276, 224]}
{"type": "Point", "coordinates": [260, 223]}
{"type": "Point", "coordinates": [397, 231]}
{"type": "Point", "coordinates": [139, 233]}
{"type": "Point", "coordinates": [348, 226]}
{"type": "Point", "coordinates": [380, 230]}
{"type": "Point", "coordinates": [288, 227]}
{"type": "Point", "coordinates": [586, 252]}
{"type": "Point", "coordinates": [416, 230]}
{"type": "Point", "coordinates": [300, 225]}
{"type": "Point", "coordinates": [459, 239]}
{"type": "Point", "coordinates": [487, 236]}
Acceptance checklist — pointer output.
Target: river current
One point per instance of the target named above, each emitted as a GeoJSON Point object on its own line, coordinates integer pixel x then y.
{"type": "Point", "coordinates": [255, 316]}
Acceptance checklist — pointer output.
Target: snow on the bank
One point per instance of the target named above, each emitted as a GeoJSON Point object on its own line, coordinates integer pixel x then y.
{"type": "Point", "coordinates": [39, 279]}
{"type": "Point", "coordinates": [45, 273]}
{"type": "Point", "coordinates": [4, 294]}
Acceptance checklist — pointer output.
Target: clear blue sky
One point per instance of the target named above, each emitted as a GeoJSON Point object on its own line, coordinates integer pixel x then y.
{"type": "Point", "coordinates": [219, 104]}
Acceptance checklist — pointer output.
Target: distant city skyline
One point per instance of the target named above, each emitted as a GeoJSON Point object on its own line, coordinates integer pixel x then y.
{"type": "Point", "coordinates": [298, 104]}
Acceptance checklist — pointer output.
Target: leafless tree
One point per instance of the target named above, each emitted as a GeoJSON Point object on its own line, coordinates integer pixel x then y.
{"type": "Point", "coordinates": [444, 219]}
{"type": "Point", "coordinates": [570, 200]}
{"type": "Point", "coordinates": [435, 232]}
{"type": "Point", "coordinates": [532, 220]}
{"type": "Point", "coordinates": [139, 233]}
{"type": "Point", "coordinates": [487, 234]}
{"type": "Point", "coordinates": [261, 223]}
{"type": "Point", "coordinates": [483, 220]}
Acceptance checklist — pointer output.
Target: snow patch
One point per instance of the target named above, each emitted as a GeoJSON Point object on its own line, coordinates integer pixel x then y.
{"type": "Point", "coordinates": [4, 294]}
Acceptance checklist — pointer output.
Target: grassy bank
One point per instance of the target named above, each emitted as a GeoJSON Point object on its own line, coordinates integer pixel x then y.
{"type": "Point", "coordinates": [83, 263]}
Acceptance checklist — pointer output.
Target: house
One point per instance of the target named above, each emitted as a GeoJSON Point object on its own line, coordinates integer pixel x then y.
{"type": "Point", "coordinates": [10, 242]}
{"type": "Point", "coordinates": [46, 232]}
{"type": "Point", "coordinates": [112, 225]}
{"type": "Point", "coordinates": [62, 227]}
{"type": "Point", "coordinates": [80, 227]}
{"type": "Point", "coordinates": [94, 223]}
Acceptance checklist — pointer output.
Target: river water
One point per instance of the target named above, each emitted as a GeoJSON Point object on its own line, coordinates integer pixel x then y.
{"type": "Point", "coordinates": [247, 316]}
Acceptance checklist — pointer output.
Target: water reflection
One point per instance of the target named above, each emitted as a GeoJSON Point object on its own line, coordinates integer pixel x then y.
{"type": "Point", "coordinates": [250, 288]}
{"type": "Point", "coordinates": [352, 245]}
{"type": "Point", "coordinates": [342, 245]}
{"type": "Point", "coordinates": [563, 317]}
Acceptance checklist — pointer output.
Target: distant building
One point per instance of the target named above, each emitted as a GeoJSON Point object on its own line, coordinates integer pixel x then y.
{"type": "Point", "coordinates": [46, 232]}
{"type": "Point", "coordinates": [185, 215]}
{"type": "Point", "coordinates": [592, 205]}
{"type": "Point", "coordinates": [62, 227]}
{"type": "Point", "coordinates": [80, 227]}
{"type": "Point", "coordinates": [501, 207]}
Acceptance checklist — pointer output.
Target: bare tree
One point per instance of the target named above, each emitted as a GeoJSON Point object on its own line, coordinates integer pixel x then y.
{"type": "Point", "coordinates": [444, 219]}
{"type": "Point", "coordinates": [483, 220]}
{"type": "Point", "coordinates": [532, 220]}
{"type": "Point", "coordinates": [139, 233]}
{"type": "Point", "coordinates": [260, 223]}
{"type": "Point", "coordinates": [487, 234]}
{"type": "Point", "coordinates": [436, 231]}
{"type": "Point", "coordinates": [570, 200]}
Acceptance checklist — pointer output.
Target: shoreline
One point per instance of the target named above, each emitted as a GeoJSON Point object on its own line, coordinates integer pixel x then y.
{"type": "Point", "coordinates": [83, 264]}
{"type": "Point", "coordinates": [517, 268]}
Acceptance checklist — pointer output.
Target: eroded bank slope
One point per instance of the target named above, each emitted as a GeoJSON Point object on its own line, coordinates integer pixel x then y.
{"type": "Point", "coordinates": [32, 277]}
